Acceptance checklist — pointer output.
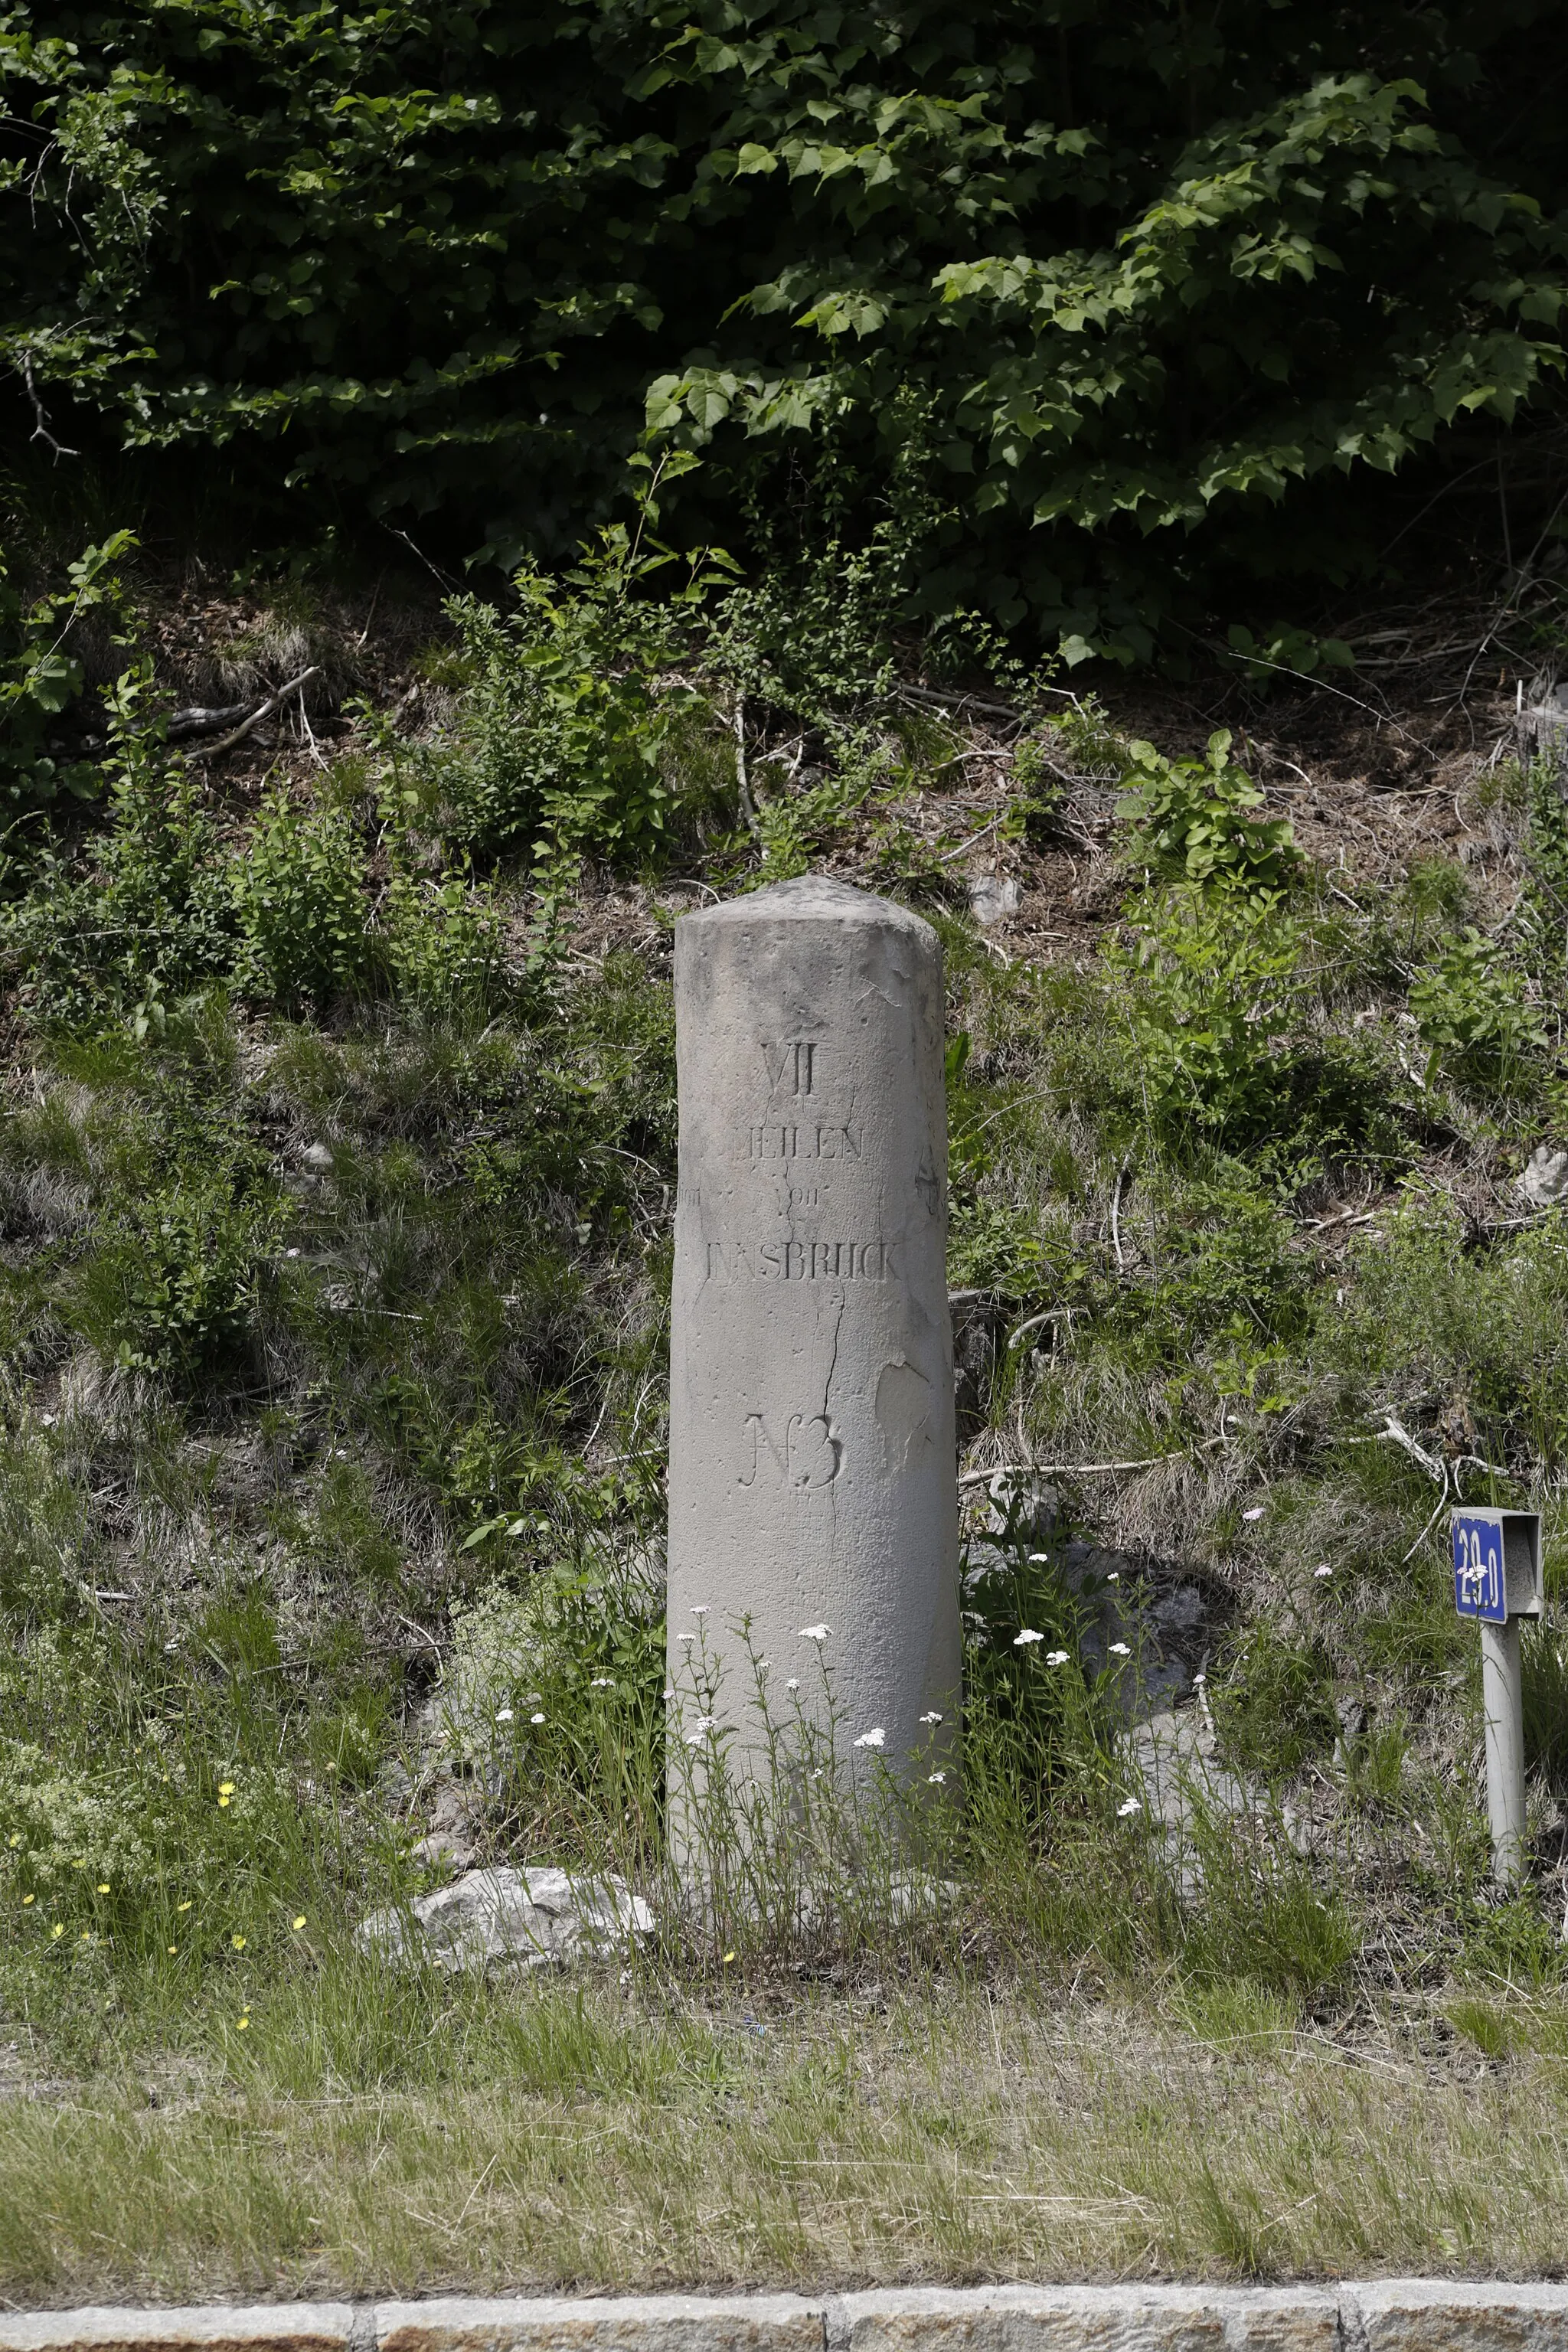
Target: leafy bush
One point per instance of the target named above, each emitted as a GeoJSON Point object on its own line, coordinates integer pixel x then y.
{"type": "Point", "coordinates": [574, 727]}
{"type": "Point", "coordinates": [300, 897]}
{"type": "Point", "coordinates": [1146, 281]}
{"type": "Point", "coordinates": [1192, 822]}
{"type": "Point", "coordinates": [147, 913]}
{"type": "Point", "coordinates": [174, 1287]}
{"type": "Point", "coordinates": [1213, 991]}
{"type": "Point", "coordinates": [1474, 1017]}
{"type": "Point", "coordinates": [41, 677]}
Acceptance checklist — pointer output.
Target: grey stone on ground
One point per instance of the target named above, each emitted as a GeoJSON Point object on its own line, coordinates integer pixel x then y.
{"type": "Point", "coordinates": [536, 1918]}
{"type": "Point", "coordinates": [1545, 1181]}
{"type": "Point", "coordinates": [992, 898]}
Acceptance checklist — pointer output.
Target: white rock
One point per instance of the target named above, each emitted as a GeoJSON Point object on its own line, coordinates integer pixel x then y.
{"type": "Point", "coordinates": [993, 897]}
{"type": "Point", "coordinates": [1545, 1181]}
{"type": "Point", "coordinates": [540, 1918]}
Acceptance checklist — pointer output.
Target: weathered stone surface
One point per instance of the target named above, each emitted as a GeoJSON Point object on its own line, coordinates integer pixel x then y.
{"type": "Point", "coordinates": [1090, 2319]}
{"type": "Point", "coordinates": [1545, 1180]}
{"type": "Point", "coordinates": [812, 1447]}
{"type": "Point", "coordinates": [1383, 2315]}
{"type": "Point", "coordinates": [219, 2328]}
{"type": "Point", "coordinates": [660, 2323]}
{"type": "Point", "coordinates": [1456, 2315]}
{"type": "Point", "coordinates": [533, 1917]}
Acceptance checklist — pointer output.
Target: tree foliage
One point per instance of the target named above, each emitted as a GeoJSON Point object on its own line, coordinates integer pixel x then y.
{"type": "Point", "coordinates": [1128, 275]}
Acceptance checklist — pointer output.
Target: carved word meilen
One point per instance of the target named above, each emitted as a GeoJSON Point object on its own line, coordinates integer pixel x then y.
{"type": "Point", "coordinates": [804, 1142]}
{"type": "Point", "coordinates": [805, 1261]}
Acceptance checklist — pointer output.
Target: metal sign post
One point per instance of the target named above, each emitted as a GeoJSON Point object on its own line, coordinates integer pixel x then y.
{"type": "Point", "coordinates": [1498, 1581]}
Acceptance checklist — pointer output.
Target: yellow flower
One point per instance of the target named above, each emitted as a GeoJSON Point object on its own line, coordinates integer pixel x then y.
{"type": "Point", "coordinates": [241, 2022]}
{"type": "Point", "coordinates": [27, 1899]}
{"type": "Point", "coordinates": [173, 1949]}
{"type": "Point", "coordinates": [728, 1958]}
{"type": "Point", "coordinates": [226, 1787]}
{"type": "Point", "coordinates": [222, 1802]}
{"type": "Point", "coordinates": [182, 1906]}
{"type": "Point", "coordinates": [15, 1838]}
{"type": "Point", "coordinates": [104, 1886]}
{"type": "Point", "coordinates": [299, 1921]}
{"type": "Point", "coordinates": [238, 1943]}
{"type": "Point", "coordinates": [56, 1931]}
{"type": "Point", "coordinates": [86, 1936]}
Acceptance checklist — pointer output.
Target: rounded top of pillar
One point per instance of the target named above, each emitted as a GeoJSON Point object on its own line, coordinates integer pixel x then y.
{"type": "Point", "coordinates": [815, 898]}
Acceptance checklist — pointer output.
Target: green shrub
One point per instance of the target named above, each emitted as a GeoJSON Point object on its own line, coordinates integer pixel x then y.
{"type": "Point", "coordinates": [174, 1285]}
{"type": "Point", "coordinates": [41, 677]}
{"type": "Point", "coordinates": [1474, 1017]}
{"type": "Point", "coordinates": [300, 901]}
{"type": "Point", "coordinates": [1192, 822]}
{"type": "Point", "coordinates": [572, 728]}
{"type": "Point", "coordinates": [1213, 991]}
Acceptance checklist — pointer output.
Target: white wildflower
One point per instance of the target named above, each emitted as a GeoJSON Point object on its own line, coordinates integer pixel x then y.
{"type": "Point", "coordinates": [1125, 1811]}
{"type": "Point", "coordinates": [601, 1682]}
{"type": "Point", "coordinates": [1056, 1657]}
{"type": "Point", "coordinates": [935, 1779]}
{"type": "Point", "coordinates": [792, 1683]}
{"type": "Point", "coordinates": [816, 1633]}
{"type": "Point", "coordinates": [877, 1738]}
{"type": "Point", "coordinates": [1120, 1650]}
{"type": "Point", "coordinates": [504, 1716]}
{"type": "Point", "coordinates": [1323, 1568]}
{"type": "Point", "coordinates": [536, 1718]}
{"type": "Point", "coordinates": [1022, 1641]}
{"type": "Point", "coordinates": [1255, 1512]}
{"type": "Point", "coordinates": [699, 1609]}
{"type": "Point", "coordinates": [686, 1640]}
{"type": "Point", "coordinates": [932, 1717]}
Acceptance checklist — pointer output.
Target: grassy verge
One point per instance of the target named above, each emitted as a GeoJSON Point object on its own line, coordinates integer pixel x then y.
{"type": "Point", "coordinates": [337, 1164]}
{"type": "Point", "coordinates": [635, 2139]}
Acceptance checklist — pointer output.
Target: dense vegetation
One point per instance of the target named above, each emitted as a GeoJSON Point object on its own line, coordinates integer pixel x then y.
{"type": "Point", "coordinates": [1127, 303]}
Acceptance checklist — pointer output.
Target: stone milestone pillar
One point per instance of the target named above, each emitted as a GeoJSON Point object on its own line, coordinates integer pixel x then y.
{"type": "Point", "coordinates": [812, 1457]}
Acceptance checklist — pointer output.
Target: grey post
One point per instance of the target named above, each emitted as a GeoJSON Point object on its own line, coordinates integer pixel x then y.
{"type": "Point", "coordinates": [1502, 1695]}
{"type": "Point", "coordinates": [1498, 1581]}
{"type": "Point", "coordinates": [812, 1452]}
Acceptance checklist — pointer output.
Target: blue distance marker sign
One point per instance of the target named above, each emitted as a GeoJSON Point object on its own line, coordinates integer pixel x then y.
{"type": "Point", "coordinates": [1480, 1587]}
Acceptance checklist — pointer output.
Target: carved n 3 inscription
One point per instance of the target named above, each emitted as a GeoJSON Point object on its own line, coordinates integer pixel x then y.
{"type": "Point", "coordinates": [810, 1457]}
{"type": "Point", "coordinates": [805, 1261]}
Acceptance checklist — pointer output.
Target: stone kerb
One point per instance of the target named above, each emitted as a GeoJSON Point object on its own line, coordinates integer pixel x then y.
{"type": "Point", "coordinates": [1381, 2316]}
{"type": "Point", "coordinates": [812, 1447]}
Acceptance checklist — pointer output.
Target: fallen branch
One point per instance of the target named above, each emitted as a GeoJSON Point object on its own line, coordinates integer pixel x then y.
{"type": "Point", "coordinates": [41, 415]}
{"type": "Point", "coordinates": [265, 710]}
{"type": "Point", "coordinates": [201, 718]}
{"type": "Point", "coordinates": [1397, 1435]}
{"type": "Point", "coordinates": [1060, 1469]}
{"type": "Point", "coordinates": [748, 806]}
